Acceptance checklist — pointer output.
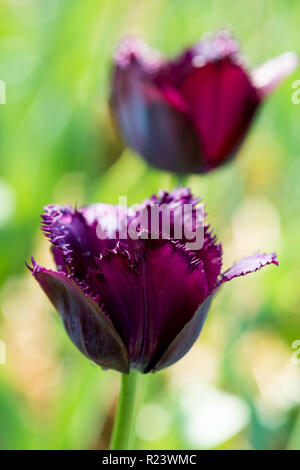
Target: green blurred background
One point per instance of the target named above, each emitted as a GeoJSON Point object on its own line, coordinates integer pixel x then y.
{"type": "Point", "coordinates": [237, 388]}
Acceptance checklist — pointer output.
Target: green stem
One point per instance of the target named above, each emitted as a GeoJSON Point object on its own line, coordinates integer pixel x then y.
{"type": "Point", "coordinates": [122, 431]}
{"type": "Point", "coordinates": [180, 180]}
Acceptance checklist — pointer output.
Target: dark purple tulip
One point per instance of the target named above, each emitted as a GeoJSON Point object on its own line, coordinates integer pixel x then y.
{"type": "Point", "coordinates": [133, 303]}
{"type": "Point", "coordinates": [190, 114]}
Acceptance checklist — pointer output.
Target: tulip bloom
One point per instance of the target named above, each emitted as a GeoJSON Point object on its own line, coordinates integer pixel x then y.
{"type": "Point", "coordinates": [134, 303]}
{"type": "Point", "coordinates": [190, 114]}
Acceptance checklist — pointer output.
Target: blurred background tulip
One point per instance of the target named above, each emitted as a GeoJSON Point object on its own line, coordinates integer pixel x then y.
{"type": "Point", "coordinates": [190, 114]}
{"type": "Point", "coordinates": [238, 387]}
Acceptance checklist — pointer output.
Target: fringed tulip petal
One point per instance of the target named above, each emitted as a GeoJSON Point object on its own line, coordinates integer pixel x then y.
{"type": "Point", "coordinates": [248, 265]}
{"type": "Point", "coordinates": [185, 339]}
{"type": "Point", "coordinates": [86, 324]}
